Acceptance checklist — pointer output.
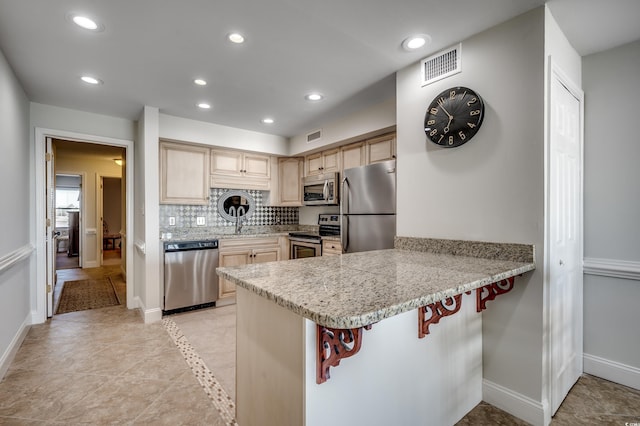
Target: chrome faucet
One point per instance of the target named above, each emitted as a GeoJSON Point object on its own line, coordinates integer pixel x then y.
{"type": "Point", "coordinates": [239, 218]}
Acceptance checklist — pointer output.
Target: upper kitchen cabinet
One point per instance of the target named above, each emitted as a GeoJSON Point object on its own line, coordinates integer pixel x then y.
{"type": "Point", "coordinates": [286, 181]}
{"type": "Point", "coordinates": [184, 174]}
{"type": "Point", "coordinates": [353, 155]}
{"type": "Point", "coordinates": [322, 162]}
{"type": "Point", "coordinates": [240, 170]}
{"type": "Point", "coordinates": [381, 148]}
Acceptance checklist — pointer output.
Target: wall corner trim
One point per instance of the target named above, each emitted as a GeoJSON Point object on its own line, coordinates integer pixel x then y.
{"type": "Point", "coordinates": [613, 371]}
{"type": "Point", "coordinates": [612, 268]}
{"type": "Point", "coordinates": [514, 403]}
{"type": "Point", "coordinates": [148, 315]}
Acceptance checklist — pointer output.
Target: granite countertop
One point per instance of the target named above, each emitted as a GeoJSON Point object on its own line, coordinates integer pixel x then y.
{"type": "Point", "coordinates": [357, 289]}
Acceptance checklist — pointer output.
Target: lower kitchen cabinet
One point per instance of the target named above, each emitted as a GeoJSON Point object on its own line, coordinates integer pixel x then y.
{"type": "Point", "coordinates": [331, 248]}
{"type": "Point", "coordinates": [245, 251]}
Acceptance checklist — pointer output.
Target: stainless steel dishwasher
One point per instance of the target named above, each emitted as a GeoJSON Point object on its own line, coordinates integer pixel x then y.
{"type": "Point", "coordinates": [190, 279]}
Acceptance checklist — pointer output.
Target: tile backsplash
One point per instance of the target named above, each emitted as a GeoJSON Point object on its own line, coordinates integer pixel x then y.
{"type": "Point", "coordinates": [185, 215]}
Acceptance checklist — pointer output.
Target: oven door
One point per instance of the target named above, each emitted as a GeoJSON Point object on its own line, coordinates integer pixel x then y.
{"type": "Point", "coordinates": [300, 249]}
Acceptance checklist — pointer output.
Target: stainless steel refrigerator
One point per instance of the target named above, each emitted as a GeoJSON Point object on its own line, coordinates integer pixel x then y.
{"type": "Point", "coordinates": [368, 207]}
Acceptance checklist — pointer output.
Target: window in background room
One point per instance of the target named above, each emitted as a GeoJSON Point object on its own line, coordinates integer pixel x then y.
{"type": "Point", "coordinates": [67, 200]}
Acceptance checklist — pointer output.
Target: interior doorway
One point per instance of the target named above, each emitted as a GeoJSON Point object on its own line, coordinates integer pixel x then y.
{"type": "Point", "coordinates": [68, 214]}
{"type": "Point", "coordinates": [77, 171]}
{"type": "Point", "coordinates": [111, 214]}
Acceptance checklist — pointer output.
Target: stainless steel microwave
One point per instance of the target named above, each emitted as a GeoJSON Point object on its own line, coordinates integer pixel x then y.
{"type": "Point", "coordinates": [321, 190]}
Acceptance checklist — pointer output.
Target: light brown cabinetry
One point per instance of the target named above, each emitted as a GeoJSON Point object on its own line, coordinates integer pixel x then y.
{"type": "Point", "coordinates": [331, 247]}
{"type": "Point", "coordinates": [244, 251]}
{"type": "Point", "coordinates": [322, 162]}
{"type": "Point", "coordinates": [381, 148]}
{"type": "Point", "coordinates": [184, 174]}
{"type": "Point", "coordinates": [286, 181]}
{"type": "Point", "coordinates": [374, 150]}
{"type": "Point", "coordinates": [353, 155]}
{"type": "Point", "coordinates": [240, 170]}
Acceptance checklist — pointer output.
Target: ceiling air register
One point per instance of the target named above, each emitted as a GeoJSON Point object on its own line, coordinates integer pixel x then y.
{"type": "Point", "coordinates": [441, 65]}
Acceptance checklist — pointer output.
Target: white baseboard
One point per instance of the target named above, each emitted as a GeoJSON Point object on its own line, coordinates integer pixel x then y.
{"type": "Point", "coordinates": [149, 315]}
{"type": "Point", "coordinates": [10, 353]}
{"type": "Point", "coordinates": [516, 404]}
{"type": "Point", "coordinates": [612, 371]}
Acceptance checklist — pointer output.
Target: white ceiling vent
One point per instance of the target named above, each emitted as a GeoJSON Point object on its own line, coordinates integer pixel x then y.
{"type": "Point", "coordinates": [441, 65]}
{"type": "Point", "coordinates": [314, 136]}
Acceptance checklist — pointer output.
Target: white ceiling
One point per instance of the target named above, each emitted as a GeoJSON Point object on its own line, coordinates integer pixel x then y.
{"type": "Point", "coordinates": [151, 50]}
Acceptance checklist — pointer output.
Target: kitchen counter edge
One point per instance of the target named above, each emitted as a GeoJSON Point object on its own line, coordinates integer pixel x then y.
{"type": "Point", "coordinates": [505, 261]}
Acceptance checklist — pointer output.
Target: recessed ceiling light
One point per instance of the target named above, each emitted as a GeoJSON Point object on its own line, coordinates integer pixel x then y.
{"type": "Point", "coordinates": [268, 120]}
{"type": "Point", "coordinates": [200, 82]}
{"type": "Point", "coordinates": [90, 80]}
{"type": "Point", "coordinates": [416, 42]}
{"type": "Point", "coordinates": [236, 38]}
{"type": "Point", "coordinates": [314, 97]}
{"type": "Point", "coordinates": [85, 22]}
{"type": "Point", "coordinates": [204, 105]}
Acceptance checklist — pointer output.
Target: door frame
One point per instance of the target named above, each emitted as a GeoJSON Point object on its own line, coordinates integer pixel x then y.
{"type": "Point", "coordinates": [40, 294]}
{"type": "Point", "coordinates": [555, 72]}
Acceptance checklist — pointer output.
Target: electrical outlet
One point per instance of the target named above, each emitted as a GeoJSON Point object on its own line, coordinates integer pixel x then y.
{"type": "Point", "coordinates": [168, 235]}
{"type": "Point", "coordinates": [172, 221]}
{"type": "Point", "coordinates": [200, 220]}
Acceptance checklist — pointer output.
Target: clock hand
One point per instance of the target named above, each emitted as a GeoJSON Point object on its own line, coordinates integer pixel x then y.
{"type": "Point", "coordinates": [445, 111]}
{"type": "Point", "coordinates": [446, 129]}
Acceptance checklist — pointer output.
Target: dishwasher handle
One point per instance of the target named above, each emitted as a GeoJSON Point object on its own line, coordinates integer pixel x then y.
{"type": "Point", "coordinates": [190, 245]}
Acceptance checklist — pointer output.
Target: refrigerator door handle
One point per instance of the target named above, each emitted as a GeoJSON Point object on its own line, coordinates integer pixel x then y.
{"type": "Point", "coordinates": [344, 232]}
{"type": "Point", "coordinates": [344, 220]}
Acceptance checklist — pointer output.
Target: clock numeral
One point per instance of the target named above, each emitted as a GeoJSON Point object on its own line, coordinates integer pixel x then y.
{"type": "Point", "coordinates": [462, 135]}
{"type": "Point", "coordinates": [472, 101]}
{"type": "Point", "coordinates": [441, 101]}
{"type": "Point", "coordinates": [434, 111]}
{"type": "Point", "coordinates": [431, 122]}
{"type": "Point", "coordinates": [433, 132]}
{"type": "Point", "coordinates": [471, 125]}
{"type": "Point", "coordinates": [441, 137]}
{"type": "Point", "coordinates": [475, 112]}
{"type": "Point", "coordinates": [450, 140]}
{"type": "Point", "coordinates": [452, 94]}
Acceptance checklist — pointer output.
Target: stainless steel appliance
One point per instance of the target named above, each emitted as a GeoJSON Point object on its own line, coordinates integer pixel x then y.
{"type": "Point", "coordinates": [190, 279]}
{"type": "Point", "coordinates": [309, 244]}
{"type": "Point", "coordinates": [321, 190]}
{"type": "Point", "coordinates": [368, 208]}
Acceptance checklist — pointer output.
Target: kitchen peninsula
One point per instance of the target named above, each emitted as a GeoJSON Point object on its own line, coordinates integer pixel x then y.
{"type": "Point", "coordinates": [296, 320]}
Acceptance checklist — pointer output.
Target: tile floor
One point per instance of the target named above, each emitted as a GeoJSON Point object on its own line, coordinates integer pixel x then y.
{"type": "Point", "coordinates": [105, 366]}
{"type": "Point", "coordinates": [102, 366]}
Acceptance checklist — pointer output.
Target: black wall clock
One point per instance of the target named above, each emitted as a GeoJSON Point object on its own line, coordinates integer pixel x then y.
{"type": "Point", "coordinates": [454, 117]}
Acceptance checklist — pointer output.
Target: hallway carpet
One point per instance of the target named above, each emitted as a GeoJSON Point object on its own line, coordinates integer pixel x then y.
{"type": "Point", "coordinates": [87, 294]}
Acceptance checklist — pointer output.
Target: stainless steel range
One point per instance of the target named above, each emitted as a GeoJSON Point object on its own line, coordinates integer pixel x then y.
{"type": "Point", "coordinates": [309, 244]}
